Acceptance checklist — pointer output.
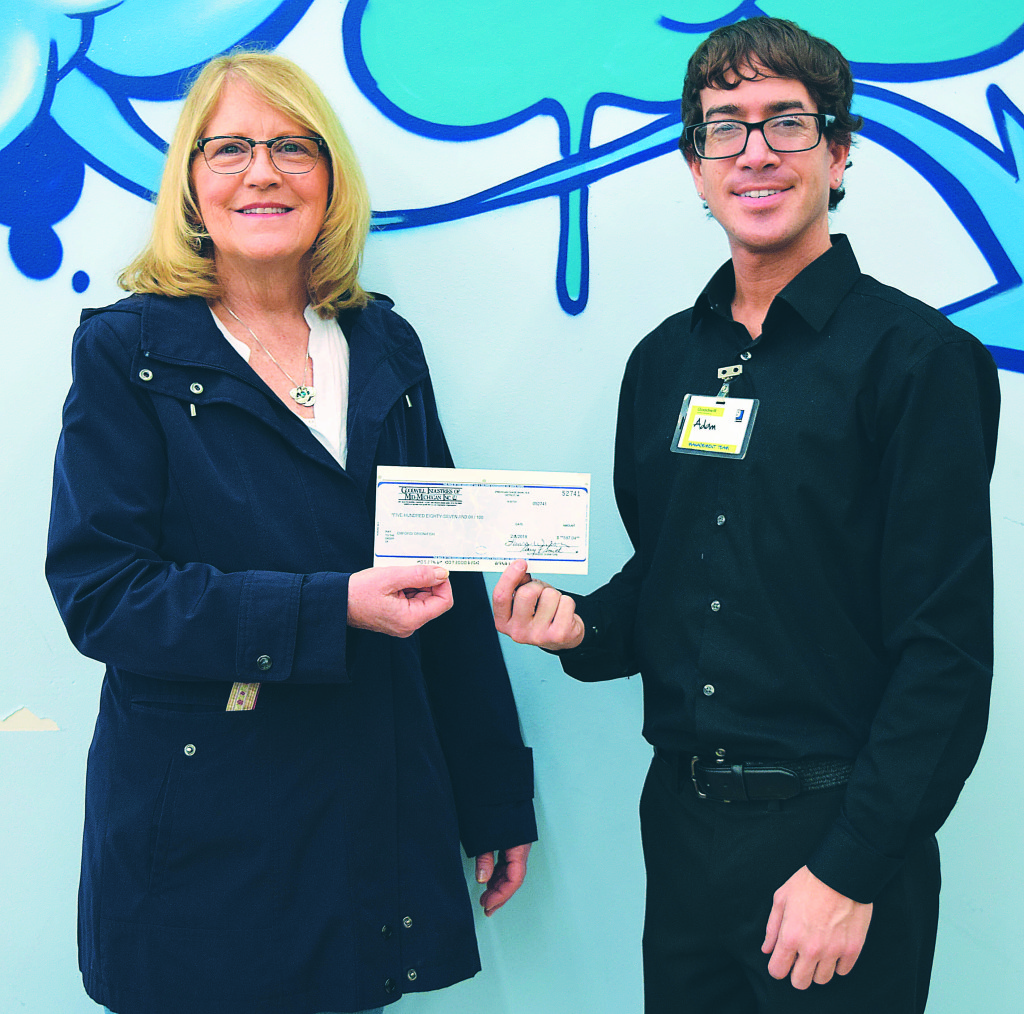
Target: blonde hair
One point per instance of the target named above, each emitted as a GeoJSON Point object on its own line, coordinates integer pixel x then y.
{"type": "Point", "coordinates": [178, 260]}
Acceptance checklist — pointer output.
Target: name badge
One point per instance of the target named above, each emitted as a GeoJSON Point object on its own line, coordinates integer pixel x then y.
{"type": "Point", "coordinates": [715, 427]}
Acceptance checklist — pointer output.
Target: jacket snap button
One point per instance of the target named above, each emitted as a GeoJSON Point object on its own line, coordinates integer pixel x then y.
{"type": "Point", "coordinates": [407, 922]}
{"type": "Point", "coordinates": [715, 606]}
{"type": "Point", "coordinates": [386, 932]}
{"type": "Point", "coordinates": [263, 663]}
{"type": "Point", "coordinates": [189, 749]}
{"type": "Point", "coordinates": [390, 986]}
{"type": "Point", "coordinates": [196, 388]}
{"type": "Point", "coordinates": [411, 975]}
{"type": "Point", "coordinates": [145, 374]}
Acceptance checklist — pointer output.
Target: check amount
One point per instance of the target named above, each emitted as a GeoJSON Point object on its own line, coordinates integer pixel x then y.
{"type": "Point", "coordinates": [482, 519]}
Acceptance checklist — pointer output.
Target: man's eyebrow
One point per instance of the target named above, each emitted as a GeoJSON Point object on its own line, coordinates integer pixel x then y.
{"type": "Point", "coordinates": [773, 108]}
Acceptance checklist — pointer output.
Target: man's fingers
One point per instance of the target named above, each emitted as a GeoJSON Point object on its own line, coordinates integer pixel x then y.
{"type": "Point", "coordinates": [484, 867]}
{"type": "Point", "coordinates": [505, 591]}
{"type": "Point", "coordinates": [846, 962]}
{"type": "Point", "coordinates": [824, 972]}
{"type": "Point", "coordinates": [546, 606]}
{"type": "Point", "coordinates": [771, 933]}
{"type": "Point", "coordinates": [782, 961]}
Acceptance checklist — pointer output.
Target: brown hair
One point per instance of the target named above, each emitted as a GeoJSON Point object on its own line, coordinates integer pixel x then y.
{"type": "Point", "coordinates": [747, 49]}
{"type": "Point", "coordinates": [178, 260]}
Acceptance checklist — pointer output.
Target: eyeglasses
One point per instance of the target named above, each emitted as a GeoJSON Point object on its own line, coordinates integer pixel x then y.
{"type": "Point", "coordinates": [786, 133]}
{"type": "Point", "coordinates": [229, 153]}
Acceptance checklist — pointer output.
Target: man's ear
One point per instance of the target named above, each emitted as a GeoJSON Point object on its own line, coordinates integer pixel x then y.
{"type": "Point", "coordinates": [696, 171]}
{"type": "Point", "coordinates": [839, 155]}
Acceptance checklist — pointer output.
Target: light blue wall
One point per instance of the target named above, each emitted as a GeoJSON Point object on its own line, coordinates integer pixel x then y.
{"type": "Point", "coordinates": [527, 374]}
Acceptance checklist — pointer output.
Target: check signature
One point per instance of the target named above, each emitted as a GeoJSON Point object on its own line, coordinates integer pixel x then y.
{"type": "Point", "coordinates": [552, 548]}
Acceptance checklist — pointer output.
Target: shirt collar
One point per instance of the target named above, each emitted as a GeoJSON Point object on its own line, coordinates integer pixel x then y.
{"type": "Point", "coordinates": [814, 294]}
{"type": "Point", "coordinates": [817, 291]}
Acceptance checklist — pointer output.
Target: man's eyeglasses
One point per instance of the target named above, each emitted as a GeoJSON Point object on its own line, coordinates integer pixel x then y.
{"type": "Point", "coordinates": [229, 153]}
{"type": "Point", "coordinates": [786, 133]}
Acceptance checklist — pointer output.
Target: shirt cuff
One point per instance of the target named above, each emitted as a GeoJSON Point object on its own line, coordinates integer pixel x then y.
{"type": "Point", "coordinates": [849, 865]}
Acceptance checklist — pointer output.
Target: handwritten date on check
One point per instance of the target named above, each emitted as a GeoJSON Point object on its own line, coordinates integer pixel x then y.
{"type": "Point", "coordinates": [482, 519]}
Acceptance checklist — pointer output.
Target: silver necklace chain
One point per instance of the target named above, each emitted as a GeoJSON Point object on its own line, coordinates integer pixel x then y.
{"type": "Point", "coordinates": [303, 393]}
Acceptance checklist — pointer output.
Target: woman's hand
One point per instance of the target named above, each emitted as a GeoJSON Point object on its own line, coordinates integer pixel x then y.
{"type": "Point", "coordinates": [503, 878]}
{"type": "Point", "coordinates": [397, 600]}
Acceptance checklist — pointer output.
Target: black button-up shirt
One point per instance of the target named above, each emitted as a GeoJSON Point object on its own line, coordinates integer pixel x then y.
{"type": "Point", "coordinates": [830, 594]}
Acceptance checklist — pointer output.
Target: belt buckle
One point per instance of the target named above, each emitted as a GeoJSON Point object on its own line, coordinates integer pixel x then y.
{"type": "Point", "coordinates": [693, 778]}
{"type": "Point", "coordinates": [726, 783]}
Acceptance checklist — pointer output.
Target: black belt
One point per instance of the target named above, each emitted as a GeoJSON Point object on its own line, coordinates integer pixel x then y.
{"type": "Point", "coordinates": [757, 781]}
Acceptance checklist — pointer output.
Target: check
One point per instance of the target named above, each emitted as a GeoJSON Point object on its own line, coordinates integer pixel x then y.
{"type": "Point", "coordinates": [482, 519]}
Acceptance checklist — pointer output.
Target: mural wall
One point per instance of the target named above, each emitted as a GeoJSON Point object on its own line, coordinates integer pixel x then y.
{"type": "Point", "coordinates": [533, 220]}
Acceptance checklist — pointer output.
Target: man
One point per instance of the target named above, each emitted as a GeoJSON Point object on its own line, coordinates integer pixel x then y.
{"type": "Point", "coordinates": [810, 597]}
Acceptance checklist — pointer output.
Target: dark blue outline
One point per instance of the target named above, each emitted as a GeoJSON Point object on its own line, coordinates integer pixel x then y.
{"type": "Point", "coordinates": [892, 72]}
{"type": "Point", "coordinates": [746, 9]}
{"type": "Point", "coordinates": [570, 304]}
{"type": "Point", "coordinates": [352, 47]}
{"type": "Point", "coordinates": [499, 196]}
{"type": "Point", "coordinates": [121, 88]}
{"type": "Point", "coordinates": [174, 84]}
{"type": "Point", "coordinates": [904, 72]}
{"type": "Point", "coordinates": [1007, 359]}
{"type": "Point", "coordinates": [956, 196]}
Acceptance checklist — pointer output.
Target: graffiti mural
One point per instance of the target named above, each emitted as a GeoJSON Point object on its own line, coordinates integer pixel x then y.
{"type": "Point", "coordinates": [439, 73]}
{"type": "Point", "coordinates": [71, 69]}
{"type": "Point", "coordinates": [461, 71]}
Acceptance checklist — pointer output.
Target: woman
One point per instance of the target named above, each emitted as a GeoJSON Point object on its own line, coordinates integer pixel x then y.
{"type": "Point", "coordinates": [280, 773]}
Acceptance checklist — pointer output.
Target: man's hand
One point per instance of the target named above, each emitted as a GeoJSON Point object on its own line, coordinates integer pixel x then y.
{"type": "Point", "coordinates": [503, 878]}
{"type": "Point", "coordinates": [813, 932]}
{"type": "Point", "coordinates": [397, 600]}
{"type": "Point", "coordinates": [532, 612]}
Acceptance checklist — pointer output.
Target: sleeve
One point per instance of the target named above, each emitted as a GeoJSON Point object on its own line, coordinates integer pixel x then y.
{"type": "Point", "coordinates": [935, 585]}
{"type": "Point", "coordinates": [123, 602]}
{"type": "Point", "coordinates": [609, 613]}
{"type": "Point", "coordinates": [474, 709]}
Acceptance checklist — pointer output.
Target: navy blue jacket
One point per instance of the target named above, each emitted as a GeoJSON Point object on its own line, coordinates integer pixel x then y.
{"type": "Point", "coordinates": [301, 856]}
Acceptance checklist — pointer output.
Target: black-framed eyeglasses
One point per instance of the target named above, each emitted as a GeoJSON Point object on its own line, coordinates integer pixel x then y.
{"type": "Point", "coordinates": [785, 133]}
{"type": "Point", "coordinates": [232, 153]}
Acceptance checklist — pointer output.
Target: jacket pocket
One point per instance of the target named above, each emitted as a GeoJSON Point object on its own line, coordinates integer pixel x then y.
{"type": "Point", "coordinates": [211, 835]}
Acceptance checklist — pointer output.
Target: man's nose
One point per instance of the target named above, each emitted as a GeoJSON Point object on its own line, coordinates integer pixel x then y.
{"type": "Point", "coordinates": [757, 153]}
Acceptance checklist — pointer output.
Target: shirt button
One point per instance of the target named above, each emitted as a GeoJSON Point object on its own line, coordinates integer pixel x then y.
{"type": "Point", "coordinates": [720, 520]}
{"type": "Point", "coordinates": [745, 355]}
{"type": "Point", "coordinates": [407, 922]}
{"type": "Point", "coordinates": [411, 975]}
{"type": "Point", "coordinates": [190, 749]}
{"type": "Point", "coordinates": [715, 606]}
{"type": "Point", "coordinates": [390, 986]}
{"type": "Point", "coordinates": [196, 388]}
{"type": "Point", "coordinates": [263, 663]}
{"type": "Point", "coordinates": [386, 932]}
{"type": "Point", "coordinates": [708, 690]}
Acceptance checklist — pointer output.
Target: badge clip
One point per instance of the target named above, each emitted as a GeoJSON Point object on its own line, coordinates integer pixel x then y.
{"type": "Point", "coordinates": [725, 374]}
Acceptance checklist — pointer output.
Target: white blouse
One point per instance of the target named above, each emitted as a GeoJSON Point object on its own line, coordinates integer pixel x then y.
{"type": "Point", "coordinates": [328, 350]}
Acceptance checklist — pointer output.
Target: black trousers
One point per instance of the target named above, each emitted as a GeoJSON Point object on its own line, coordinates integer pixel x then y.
{"type": "Point", "coordinates": [712, 869]}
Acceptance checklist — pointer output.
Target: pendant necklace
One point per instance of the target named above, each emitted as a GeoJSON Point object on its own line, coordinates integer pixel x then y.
{"type": "Point", "coordinates": [301, 393]}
